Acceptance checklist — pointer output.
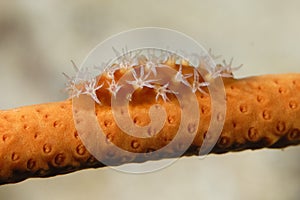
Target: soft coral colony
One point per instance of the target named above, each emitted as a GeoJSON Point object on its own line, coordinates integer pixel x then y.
{"type": "Point", "coordinates": [41, 140]}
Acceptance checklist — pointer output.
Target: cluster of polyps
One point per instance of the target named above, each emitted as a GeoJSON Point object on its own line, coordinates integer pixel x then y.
{"type": "Point", "coordinates": [141, 66]}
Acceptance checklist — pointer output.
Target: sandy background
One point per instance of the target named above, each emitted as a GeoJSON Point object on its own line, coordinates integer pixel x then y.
{"type": "Point", "coordinates": [39, 38]}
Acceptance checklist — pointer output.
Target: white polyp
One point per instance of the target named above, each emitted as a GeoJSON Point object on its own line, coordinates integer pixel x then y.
{"type": "Point", "coordinates": [141, 81]}
{"type": "Point", "coordinates": [69, 84]}
{"type": "Point", "coordinates": [76, 92]}
{"type": "Point", "coordinates": [90, 89]}
{"type": "Point", "coordinates": [161, 91]}
{"type": "Point", "coordinates": [228, 67]}
{"type": "Point", "coordinates": [151, 66]}
{"type": "Point", "coordinates": [179, 77]}
{"type": "Point", "coordinates": [197, 85]}
{"type": "Point", "coordinates": [113, 87]}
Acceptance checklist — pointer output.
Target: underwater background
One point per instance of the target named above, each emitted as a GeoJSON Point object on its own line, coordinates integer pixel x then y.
{"type": "Point", "coordinates": [39, 38]}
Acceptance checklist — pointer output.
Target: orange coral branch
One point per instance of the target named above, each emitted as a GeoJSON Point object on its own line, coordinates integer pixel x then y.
{"type": "Point", "coordinates": [41, 140]}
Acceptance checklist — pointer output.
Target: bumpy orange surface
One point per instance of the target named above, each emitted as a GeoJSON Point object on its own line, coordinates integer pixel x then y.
{"type": "Point", "coordinates": [41, 140]}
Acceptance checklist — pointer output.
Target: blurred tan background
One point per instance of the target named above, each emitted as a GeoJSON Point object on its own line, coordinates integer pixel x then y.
{"type": "Point", "coordinates": [39, 38]}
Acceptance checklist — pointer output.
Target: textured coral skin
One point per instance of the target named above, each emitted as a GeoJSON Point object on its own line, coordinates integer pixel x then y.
{"type": "Point", "coordinates": [41, 140]}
